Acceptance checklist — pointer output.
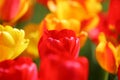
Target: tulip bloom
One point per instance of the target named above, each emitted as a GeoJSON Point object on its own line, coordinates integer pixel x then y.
{"type": "Point", "coordinates": [18, 69]}
{"type": "Point", "coordinates": [63, 43]}
{"type": "Point", "coordinates": [107, 55]}
{"type": "Point", "coordinates": [56, 68]}
{"type": "Point", "coordinates": [13, 10]}
{"type": "Point", "coordinates": [12, 42]}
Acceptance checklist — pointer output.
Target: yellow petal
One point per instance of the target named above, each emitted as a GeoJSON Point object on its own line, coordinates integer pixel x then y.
{"type": "Point", "coordinates": [12, 42]}
{"type": "Point", "coordinates": [33, 34]}
{"type": "Point", "coordinates": [106, 56]}
{"type": "Point", "coordinates": [83, 37]}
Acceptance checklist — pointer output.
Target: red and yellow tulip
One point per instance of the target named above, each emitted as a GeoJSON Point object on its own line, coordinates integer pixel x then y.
{"type": "Point", "coordinates": [13, 10]}
{"type": "Point", "coordinates": [106, 55]}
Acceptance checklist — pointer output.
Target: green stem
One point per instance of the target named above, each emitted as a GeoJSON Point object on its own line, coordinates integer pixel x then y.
{"type": "Point", "coordinates": [106, 76]}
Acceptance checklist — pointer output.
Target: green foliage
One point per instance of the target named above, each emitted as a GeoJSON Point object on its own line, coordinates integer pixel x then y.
{"type": "Point", "coordinates": [106, 5]}
{"type": "Point", "coordinates": [95, 71]}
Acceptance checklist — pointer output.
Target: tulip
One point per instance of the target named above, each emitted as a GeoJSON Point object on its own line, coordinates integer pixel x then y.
{"type": "Point", "coordinates": [56, 68]}
{"type": "Point", "coordinates": [13, 10]}
{"type": "Point", "coordinates": [12, 42]}
{"type": "Point", "coordinates": [63, 43]}
{"type": "Point", "coordinates": [106, 55]}
{"type": "Point", "coordinates": [19, 69]}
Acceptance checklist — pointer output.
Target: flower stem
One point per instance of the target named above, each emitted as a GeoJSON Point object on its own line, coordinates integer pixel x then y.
{"type": "Point", "coordinates": [106, 76]}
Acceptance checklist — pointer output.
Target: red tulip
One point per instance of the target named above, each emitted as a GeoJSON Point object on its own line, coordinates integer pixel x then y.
{"type": "Point", "coordinates": [56, 68]}
{"type": "Point", "coordinates": [19, 69]}
{"type": "Point", "coordinates": [12, 11]}
{"type": "Point", "coordinates": [63, 43]}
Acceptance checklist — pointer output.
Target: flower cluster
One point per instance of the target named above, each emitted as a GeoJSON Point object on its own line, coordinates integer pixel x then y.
{"type": "Point", "coordinates": [48, 40]}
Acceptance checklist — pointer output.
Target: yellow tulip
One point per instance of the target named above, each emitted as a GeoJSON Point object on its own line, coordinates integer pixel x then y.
{"type": "Point", "coordinates": [12, 42]}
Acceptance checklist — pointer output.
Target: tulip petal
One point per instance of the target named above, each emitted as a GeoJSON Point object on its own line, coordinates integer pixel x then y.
{"type": "Point", "coordinates": [106, 56]}
{"type": "Point", "coordinates": [12, 42]}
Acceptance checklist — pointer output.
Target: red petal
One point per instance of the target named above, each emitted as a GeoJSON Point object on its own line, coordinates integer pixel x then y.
{"type": "Point", "coordinates": [19, 69]}
{"type": "Point", "coordinates": [55, 68]}
{"type": "Point", "coordinates": [9, 9]}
